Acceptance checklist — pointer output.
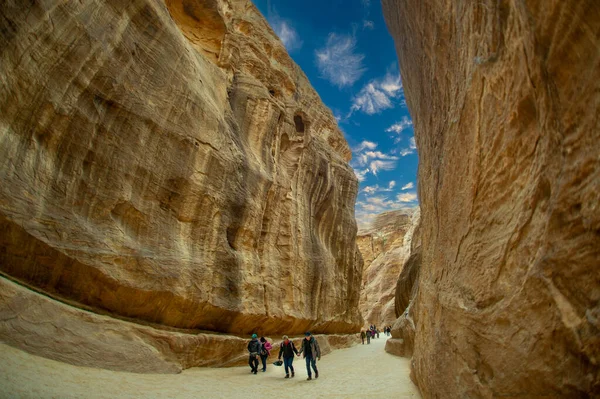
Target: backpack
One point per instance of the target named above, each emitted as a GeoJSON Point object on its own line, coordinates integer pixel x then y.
{"type": "Point", "coordinates": [263, 351]}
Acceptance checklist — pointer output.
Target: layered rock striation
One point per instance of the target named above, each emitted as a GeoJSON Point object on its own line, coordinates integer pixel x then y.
{"type": "Point", "coordinates": [166, 162]}
{"type": "Point", "coordinates": [505, 98]}
{"type": "Point", "coordinates": [385, 247]}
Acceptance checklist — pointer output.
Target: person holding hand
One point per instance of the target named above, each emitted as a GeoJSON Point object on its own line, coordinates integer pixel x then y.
{"type": "Point", "coordinates": [312, 352]}
{"type": "Point", "coordinates": [287, 350]}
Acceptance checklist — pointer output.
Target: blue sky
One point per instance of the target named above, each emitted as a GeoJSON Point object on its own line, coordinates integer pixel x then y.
{"type": "Point", "coordinates": [344, 48]}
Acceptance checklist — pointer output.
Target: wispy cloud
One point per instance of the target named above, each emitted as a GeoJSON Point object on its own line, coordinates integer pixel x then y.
{"type": "Point", "coordinates": [408, 186]}
{"type": "Point", "coordinates": [365, 145]}
{"type": "Point", "coordinates": [399, 127]}
{"type": "Point", "coordinates": [366, 159]}
{"type": "Point", "coordinates": [378, 165]}
{"type": "Point", "coordinates": [338, 61]}
{"type": "Point", "coordinates": [378, 95]}
{"type": "Point", "coordinates": [368, 24]}
{"type": "Point", "coordinates": [412, 147]}
{"type": "Point", "coordinates": [286, 33]}
{"type": "Point", "coordinates": [407, 197]}
{"type": "Point", "coordinates": [376, 189]}
{"type": "Point", "coordinates": [361, 175]}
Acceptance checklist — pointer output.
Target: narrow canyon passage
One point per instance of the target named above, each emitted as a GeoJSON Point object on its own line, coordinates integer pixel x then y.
{"type": "Point", "coordinates": [363, 370]}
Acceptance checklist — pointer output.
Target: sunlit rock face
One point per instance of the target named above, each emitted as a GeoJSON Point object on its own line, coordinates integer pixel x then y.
{"type": "Point", "coordinates": [385, 247]}
{"type": "Point", "coordinates": [505, 98]}
{"type": "Point", "coordinates": [167, 162]}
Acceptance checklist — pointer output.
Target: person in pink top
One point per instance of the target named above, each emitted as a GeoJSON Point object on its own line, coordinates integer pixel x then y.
{"type": "Point", "coordinates": [265, 352]}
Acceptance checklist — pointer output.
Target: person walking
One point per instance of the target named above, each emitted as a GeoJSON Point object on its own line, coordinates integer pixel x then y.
{"type": "Point", "coordinates": [287, 349]}
{"type": "Point", "coordinates": [312, 352]}
{"type": "Point", "coordinates": [254, 347]}
{"type": "Point", "coordinates": [368, 337]}
{"type": "Point", "coordinates": [362, 336]}
{"type": "Point", "coordinates": [265, 352]}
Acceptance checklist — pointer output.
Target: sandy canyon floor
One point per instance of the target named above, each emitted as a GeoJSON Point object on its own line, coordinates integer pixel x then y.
{"type": "Point", "coordinates": [360, 371]}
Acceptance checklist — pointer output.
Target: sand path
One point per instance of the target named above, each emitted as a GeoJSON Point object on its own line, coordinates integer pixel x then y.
{"type": "Point", "coordinates": [360, 371]}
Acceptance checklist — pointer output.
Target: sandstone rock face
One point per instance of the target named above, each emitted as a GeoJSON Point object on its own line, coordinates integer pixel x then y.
{"type": "Point", "coordinates": [505, 98]}
{"type": "Point", "coordinates": [167, 162]}
{"type": "Point", "coordinates": [384, 247]}
{"type": "Point", "coordinates": [48, 328]}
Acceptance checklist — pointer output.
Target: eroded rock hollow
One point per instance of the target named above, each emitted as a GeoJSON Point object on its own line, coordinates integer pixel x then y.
{"type": "Point", "coordinates": [505, 98]}
{"type": "Point", "coordinates": [167, 162]}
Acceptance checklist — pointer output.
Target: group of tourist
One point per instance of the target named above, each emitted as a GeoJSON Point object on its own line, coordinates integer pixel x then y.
{"type": "Point", "coordinates": [287, 350]}
{"type": "Point", "coordinates": [371, 332]}
{"type": "Point", "coordinates": [262, 348]}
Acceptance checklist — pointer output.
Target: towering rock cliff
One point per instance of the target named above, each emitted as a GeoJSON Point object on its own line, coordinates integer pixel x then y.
{"type": "Point", "coordinates": [167, 162]}
{"type": "Point", "coordinates": [385, 247]}
{"type": "Point", "coordinates": [505, 98]}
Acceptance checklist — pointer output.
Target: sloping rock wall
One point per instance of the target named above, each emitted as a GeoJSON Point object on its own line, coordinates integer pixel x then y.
{"type": "Point", "coordinates": [46, 327]}
{"type": "Point", "coordinates": [505, 98]}
{"type": "Point", "coordinates": [169, 163]}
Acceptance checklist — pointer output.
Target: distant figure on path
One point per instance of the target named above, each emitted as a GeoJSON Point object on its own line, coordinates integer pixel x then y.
{"type": "Point", "coordinates": [362, 336]}
{"type": "Point", "coordinates": [311, 350]}
{"type": "Point", "coordinates": [265, 352]}
{"type": "Point", "coordinates": [377, 332]}
{"type": "Point", "coordinates": [368, 337]}
{"type": "Point", "coordinates": [287, 349]}
{"type": "Point", "coordinates": [254, 347]}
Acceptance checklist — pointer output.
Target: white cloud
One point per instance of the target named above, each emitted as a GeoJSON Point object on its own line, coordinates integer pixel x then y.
{"type": "Point", "coordinates": [363, 145]}
{"type": "Point", "coordinates": [366, 3]}
{"type": "Point", "coordinates": [377, 95]}
{"type": "Point", "coordinates": [399, 127]}
{"type": "Point", "coordinates": [370, 189]}
{"type": "Point", "coordinates": [411, 148]}
{"type": "Point", "coordinates": [367, 160]}
{"type": "Point", "coordinates": [406, 151]}
{"type": "Point", "coordinates": [408, 186]}
{"type": "Point", "coordinates": [376, 189]}
{"type": "Point", "coordinates": [379, 154]}
{"type": "Point", "coordinates": [407, 197]}
{"type": "Point", "coordinates": [286, 33]}
{"type": "Point", "coordinates": [338, 62]}
{"type": "Point", "coordinates": [377, 165]}
{"type": "Point", "coordinates": [361, 174]}
{"type": "Point", "coordinates": [368, 24]}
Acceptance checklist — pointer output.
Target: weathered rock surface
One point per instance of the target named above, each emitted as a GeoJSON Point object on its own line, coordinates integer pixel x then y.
{"type": "Point", "coordinates": [505, 98]}
{"type": "Point", "coordinates": [45, 327]}
{"type": "Point", "coordinates": [384, 247]}
{"type": "Point", "coordinates": [169, 163]}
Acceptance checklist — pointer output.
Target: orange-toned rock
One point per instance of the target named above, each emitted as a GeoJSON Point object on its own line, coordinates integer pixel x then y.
{"type": "Point", "coordinates": [384, 248]}
{"type": "Point", "coordinates": [45, 327]}
{"type": "Point", "coordinates": [170, 163]}
{"type": "Point", "coordinates": [505, 98]}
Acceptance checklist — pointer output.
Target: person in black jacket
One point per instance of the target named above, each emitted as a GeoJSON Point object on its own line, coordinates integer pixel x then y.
{"type": "Point", "coordinates": [254, 347]}
{"type": "Point", "coordinates": [312, 352]}
{"type": "Point", "coordinates": [287, 349]}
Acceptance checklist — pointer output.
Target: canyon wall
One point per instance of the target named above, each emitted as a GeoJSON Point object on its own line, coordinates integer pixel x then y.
{"type": "Point", "coordinates": [505, 98]}
{"type": "Point", "coordinates": [385, 247]}
{"type": "Point", "coordinates": [167, 163]}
